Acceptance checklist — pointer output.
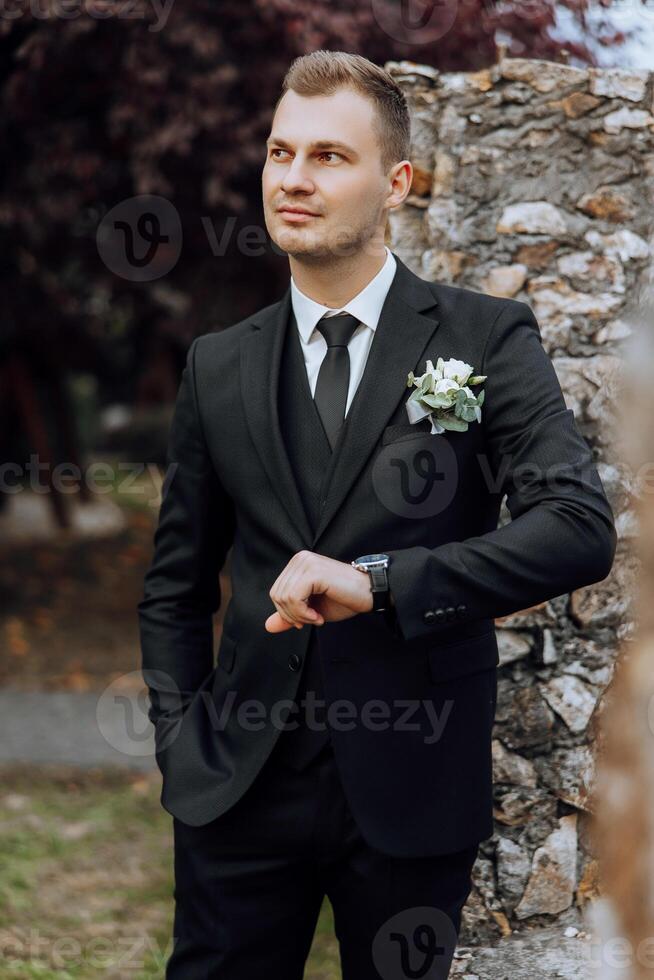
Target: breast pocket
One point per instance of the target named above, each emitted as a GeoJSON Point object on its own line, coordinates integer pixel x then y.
{"type": "Point", "coordinates": [415, 473]}
{"type": "Point", "coordinates": [403, 431]}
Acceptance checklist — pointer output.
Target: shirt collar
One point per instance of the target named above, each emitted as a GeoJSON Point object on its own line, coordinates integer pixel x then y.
{"type": "Point", "coordinates": [366, 306]}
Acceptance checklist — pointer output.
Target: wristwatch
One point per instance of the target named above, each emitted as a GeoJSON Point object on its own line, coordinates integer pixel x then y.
{"type": "Point", "coordinates": [376, 567]}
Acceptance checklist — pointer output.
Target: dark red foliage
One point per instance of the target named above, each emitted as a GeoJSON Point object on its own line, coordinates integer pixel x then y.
{"type": "Point", "coordinates": [95, 110]}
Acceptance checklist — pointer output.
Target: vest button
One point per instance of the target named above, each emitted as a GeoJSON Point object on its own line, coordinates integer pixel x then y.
{"type": "Point", "coordinates": [294, 661]}
{"type": "Point", "coordinates": [429, 616]}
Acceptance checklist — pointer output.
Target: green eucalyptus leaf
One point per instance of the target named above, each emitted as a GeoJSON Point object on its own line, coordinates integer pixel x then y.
{"type": "Point", "coordinates": [440, 400]}
{"type": "Point", "coordinates": [454, 424]}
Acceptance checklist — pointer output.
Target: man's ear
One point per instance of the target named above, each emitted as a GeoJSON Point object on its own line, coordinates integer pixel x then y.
{"type": "Point", "coordinates": [401, 176]}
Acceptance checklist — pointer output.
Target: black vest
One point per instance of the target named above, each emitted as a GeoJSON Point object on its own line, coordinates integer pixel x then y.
{"type": "Point", "coordinates": [312, 461]}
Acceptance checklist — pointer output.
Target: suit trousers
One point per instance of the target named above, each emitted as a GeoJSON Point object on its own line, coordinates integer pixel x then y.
{"type": "Point", "coordinates": [250, 884]}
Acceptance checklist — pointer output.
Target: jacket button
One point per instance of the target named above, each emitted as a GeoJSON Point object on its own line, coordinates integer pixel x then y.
{"type": "Point", "coordinates": [461, 610]}
{"type": "Point", "coordinates": [294, 661]}
{"type": "Point", "coordinates": [429, 616]}
{"type": "Point", "coordinates": [439, 615]}
{"type": "Point", "coordinates": [450, 613]}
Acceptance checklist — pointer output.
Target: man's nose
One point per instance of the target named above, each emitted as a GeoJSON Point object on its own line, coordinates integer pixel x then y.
{"type": "Point", "coordinates": [296, 177]}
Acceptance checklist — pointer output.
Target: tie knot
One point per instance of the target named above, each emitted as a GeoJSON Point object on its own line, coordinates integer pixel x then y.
{"type": "Point", "coordinates": [338, 329]}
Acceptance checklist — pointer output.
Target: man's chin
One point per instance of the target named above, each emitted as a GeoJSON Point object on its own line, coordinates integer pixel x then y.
{"type": "Point", "coordinates": [300, 245]}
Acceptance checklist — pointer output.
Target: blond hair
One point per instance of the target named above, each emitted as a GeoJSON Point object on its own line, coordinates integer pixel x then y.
{"type": "Point", "coordinates": [324, 72]}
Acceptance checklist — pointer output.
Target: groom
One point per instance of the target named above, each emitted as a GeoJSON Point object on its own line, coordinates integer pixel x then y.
{"type": "Point", "coordinates": [341, 746]}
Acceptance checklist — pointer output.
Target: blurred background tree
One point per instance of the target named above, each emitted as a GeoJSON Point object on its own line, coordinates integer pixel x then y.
{"type": "Point", "coordinates": [102, 102]}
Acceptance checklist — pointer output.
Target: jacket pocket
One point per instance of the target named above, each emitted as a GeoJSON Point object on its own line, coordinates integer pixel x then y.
{"type": "Point", "coordinates": [227, 652]}
{"type": "Point", "coordinates": [462, 657]}
{"type": "Point", "coordinates": [405, 430]}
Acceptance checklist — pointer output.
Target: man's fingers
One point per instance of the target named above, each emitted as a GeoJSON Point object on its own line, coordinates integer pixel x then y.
{"type": "Point", "coordinates": [291, 593]}
{"type": "Point", "coordinates": [298, 614]}
{"type": "Point", "coordinates": [277, 624]}
{"type": "Point", "coordinates": [293, 599]}
{"type": "Point", "coordinates": [291, 596]}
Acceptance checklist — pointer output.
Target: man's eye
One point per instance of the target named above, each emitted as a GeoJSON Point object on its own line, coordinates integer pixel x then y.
{"type": "Point", "coordinates": [325, 153]}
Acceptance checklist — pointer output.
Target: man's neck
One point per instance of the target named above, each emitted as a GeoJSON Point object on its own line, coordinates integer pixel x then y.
{"type": "Point", "coordinates": [333, 282]}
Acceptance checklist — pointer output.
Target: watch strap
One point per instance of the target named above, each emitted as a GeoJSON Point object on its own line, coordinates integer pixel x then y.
{"type": "Point", "coordinates": [379, 588]}
{"type": "Point", "coordinates": [379, 585]}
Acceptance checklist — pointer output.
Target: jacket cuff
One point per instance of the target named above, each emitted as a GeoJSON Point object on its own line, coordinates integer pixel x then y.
{"type": "Point", "coordinates": [392, 622]}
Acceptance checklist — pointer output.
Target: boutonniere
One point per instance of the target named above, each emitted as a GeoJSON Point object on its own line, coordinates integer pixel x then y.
{"type": "Point", "coordinates": [443, 394]}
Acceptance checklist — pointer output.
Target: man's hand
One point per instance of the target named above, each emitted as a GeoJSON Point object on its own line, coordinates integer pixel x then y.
{"type": "Point", "coordinates": [314, 589]}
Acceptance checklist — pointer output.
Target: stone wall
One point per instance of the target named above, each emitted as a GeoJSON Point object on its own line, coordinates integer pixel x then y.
{"type": "Point", "coordinates": [534, 180]}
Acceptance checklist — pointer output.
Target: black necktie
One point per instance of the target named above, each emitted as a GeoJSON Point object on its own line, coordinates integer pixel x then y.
{"type": "Point", "coordinates": [330, 394]}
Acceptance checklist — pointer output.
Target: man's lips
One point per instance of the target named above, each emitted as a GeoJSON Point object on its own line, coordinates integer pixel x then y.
{"type": "Point", "coordinates": [293, 215]}
{"type": "Point", "coordinates": [296, 210]}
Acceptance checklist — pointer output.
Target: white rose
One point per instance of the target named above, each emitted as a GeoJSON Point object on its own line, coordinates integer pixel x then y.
{"type": "Point", "coordinates": [446, 387]}
{"type": "Point", "coordinates": [459, 371]}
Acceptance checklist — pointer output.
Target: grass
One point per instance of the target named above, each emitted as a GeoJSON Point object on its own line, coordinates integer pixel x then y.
{"type": "Point", "coordinates": [86, 885]}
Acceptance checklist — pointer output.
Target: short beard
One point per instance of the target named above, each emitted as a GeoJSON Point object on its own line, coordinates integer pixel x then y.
{"type": "Point", "coordinates": [320, 252]}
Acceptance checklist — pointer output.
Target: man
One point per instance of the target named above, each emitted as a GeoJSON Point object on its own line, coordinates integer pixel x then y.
{"type": "Point", "coordinates": [342, 744]}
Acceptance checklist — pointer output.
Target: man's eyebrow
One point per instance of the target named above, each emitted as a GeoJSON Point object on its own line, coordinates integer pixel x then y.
{"type": "Point", "coordinates": [316, 145]}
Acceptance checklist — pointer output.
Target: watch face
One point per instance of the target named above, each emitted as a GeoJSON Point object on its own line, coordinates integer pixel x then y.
{"type": "Point", "coordinates": [373, 560]}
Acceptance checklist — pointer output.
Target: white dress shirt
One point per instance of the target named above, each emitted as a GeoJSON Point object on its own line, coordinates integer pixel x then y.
{"type": "Point", "coordinates": [366, 306]}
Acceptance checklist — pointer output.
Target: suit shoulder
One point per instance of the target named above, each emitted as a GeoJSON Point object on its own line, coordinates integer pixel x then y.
{"type": "Point", "coordinates": [223, 336]}
{"type": "Point", "coordinates": [462, 299]}
{"type": "Point", "coordinates": [230, 336]}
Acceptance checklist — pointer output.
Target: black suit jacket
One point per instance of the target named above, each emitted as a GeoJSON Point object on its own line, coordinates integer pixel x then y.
{"type": "Point", "coordinates": [412, 738]}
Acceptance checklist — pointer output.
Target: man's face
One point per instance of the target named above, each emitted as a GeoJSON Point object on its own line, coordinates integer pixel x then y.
{"type": "Point", "coordinates": [342, 186]}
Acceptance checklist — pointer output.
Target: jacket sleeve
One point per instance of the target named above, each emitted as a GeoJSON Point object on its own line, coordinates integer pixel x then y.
{"type": "Point", "coordinates": [182, 585]}
{"type": "Point", "coordinates": [561, 535]}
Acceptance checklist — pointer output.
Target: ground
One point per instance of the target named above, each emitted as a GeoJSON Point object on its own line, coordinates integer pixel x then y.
{"type": "Point", "coordinates": [86, 886]}
{"type": "Point", "coordinates": [69, 619]}
{"type": "Point", "coordinates": [86, 882]}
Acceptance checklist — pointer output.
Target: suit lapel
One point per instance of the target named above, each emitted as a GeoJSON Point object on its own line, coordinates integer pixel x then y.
{"type": "Point", "coordinates": [261, 353]}
{"type": "Point", "coordinates": [402, 335]}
